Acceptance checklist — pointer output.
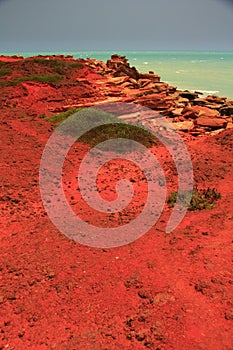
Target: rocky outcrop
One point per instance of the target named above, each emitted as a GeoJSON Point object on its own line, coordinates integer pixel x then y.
{"type": "Point", "coordinates": [150, 77]}
{"type": "Point", "coordinates": [189, 111]}
{"type": "Point", "coordinates": [205, 112]}
{"type": "Point", "coordinates": [189, 95]}
{"type": "Point", "coordinates": [226, 110]}
{"type": "Point", "coordinates": [211, 122]}
{"type": "Point", "coordinates": [119, 67]}
{"type": "Point", "coordinates": [184, 126]}
{"type": "Point", "coordinates": [92, 82]}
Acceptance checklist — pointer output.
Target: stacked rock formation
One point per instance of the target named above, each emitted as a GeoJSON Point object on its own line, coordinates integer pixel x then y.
{"type": "Point", "coordinates": [92, 82]}
{"type": "Point", "coordinates": [188, 111]}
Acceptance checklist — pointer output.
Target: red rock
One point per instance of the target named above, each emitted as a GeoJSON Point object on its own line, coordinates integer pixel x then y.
{"type": "Point", "coordinates": [171, 89]}
{"type": "Point", "coordinates": [199, 102]}
{"type": "Point", "coordinates": [184, 126]}
{"type": "Point", "coordinates": [189, 113]}
{"type": "Point", "coordinates": [205, 111]}
{"type": "Point", "coordinates": [182, 100]}
{"type": "Point", "coordinates": [119, 80]}
{"type": "Point", "coordinates": [229, 125]}
{"type": "Point", "coordinates": [189, 95]}
{"type": "Point", "coordinates": [226, 110]}
{"type": "Point", "coordinates": [199, 111]}
{"type": "Point", "coordinates": [215, 99]}
{"type": "Point", "coordinates": [153, 77]}
{"type": "Point", "coordinates": [215, 132]}
{"type": "Point", "coordinates": [155, 102]}
{"type": "Point", "coordinates": [144, 82]}
{"type": "Point", "coordinates": [212, 122]}
{"type": "Point", "coordinates": [162, 87]}
{"type": "Point", "coordinates": [120, 67]}
{"type": "Point", "coordinates": [176, 112]}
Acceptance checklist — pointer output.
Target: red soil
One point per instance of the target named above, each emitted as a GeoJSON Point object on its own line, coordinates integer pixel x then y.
{"type": "Point", "coordinates": [163, 291]}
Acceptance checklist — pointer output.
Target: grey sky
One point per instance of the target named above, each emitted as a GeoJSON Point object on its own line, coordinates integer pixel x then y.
{"type": "Point", "coordinates": [27, 25]}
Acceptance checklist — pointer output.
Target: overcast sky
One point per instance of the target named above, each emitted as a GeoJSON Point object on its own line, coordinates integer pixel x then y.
{"type": "Point", "coordinates": [56, 25]}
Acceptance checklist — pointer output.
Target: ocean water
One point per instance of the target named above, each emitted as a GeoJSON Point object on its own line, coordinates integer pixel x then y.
{"type": "Point", "coordinates": [210, 72]}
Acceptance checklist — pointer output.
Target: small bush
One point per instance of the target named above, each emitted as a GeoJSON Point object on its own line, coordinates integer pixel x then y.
{"type": "Point", "coordinates": [75, 65]}
{"type": "Point", "coordinates": [119, 130]}
{"type": "Point", "coordinates": [113, 130]}
{"type": "Point", "coordinates": [58, 66]}
{"type": "Point", "coordinates": [5, 71]}
{"type": "Point", "coordinates": [45, 79]}
{"type": "Point", "coordinates": [49, 78]}
{"type": "Point", "coordinates": [201, 199]}
{"type": "Point", "coordinates": [59, 118]}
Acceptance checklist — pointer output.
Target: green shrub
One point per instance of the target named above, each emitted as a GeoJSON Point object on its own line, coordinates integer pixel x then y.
{"type": "Point", "coordinates": [113, 130]}
{"type": "Point", "coordinates": [5, 71]}
{"type": "Point", "coordinates": [75, 65]}
{"type": "Point", "coordinates": [49, 78]}
{"type": "Point", "coordinates": [59, 118]}
{"type": "Point", "coordinates": [45, 79]}
{"type": "Point", "coordinates": [119, 130]}
{"type": "Point", "coordinates": [201, 199]}
{"type": "Point", "coordinates": [58, 66]}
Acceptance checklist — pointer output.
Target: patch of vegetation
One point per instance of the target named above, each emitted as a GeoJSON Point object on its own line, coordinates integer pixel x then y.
{"type": "Point", "coordinates": [5, 71]}
{"type": "Point", "coordinates": [42, 116]}
{"type": "Point", "coordinates": [113, 129]}
{"type": "Point", "coordinates": [48, 78]}
{"type": "Point", "coordinates": [201, 199]}
{"type": "Point", "coordinates": [45, 79]}
{"type": "Point", "coordinates": [75, 65]}
{"type": "Point", "coordinates": [59, 118]}
{"type": "Point", "coordinates": [119, 130]}
{"type": "Point", "coordinates": [58, 66]}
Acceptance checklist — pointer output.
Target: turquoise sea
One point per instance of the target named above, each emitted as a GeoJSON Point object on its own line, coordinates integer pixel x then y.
{"type": "Point", "coordinates": [210, 72]}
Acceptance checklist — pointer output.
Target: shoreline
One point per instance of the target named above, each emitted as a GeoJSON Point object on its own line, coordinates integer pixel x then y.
{"type": "Point", "coordinates": [192, 70]}
{"type": "Point", "coordinates": [95, 82]}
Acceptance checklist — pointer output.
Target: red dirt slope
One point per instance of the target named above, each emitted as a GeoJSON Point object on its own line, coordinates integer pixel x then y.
{"type": "Point", "coordinates": [163, 291]}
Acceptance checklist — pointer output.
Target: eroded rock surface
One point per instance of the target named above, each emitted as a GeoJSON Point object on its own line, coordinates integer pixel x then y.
{"type": "Point", "coordinates": [90, 82]}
